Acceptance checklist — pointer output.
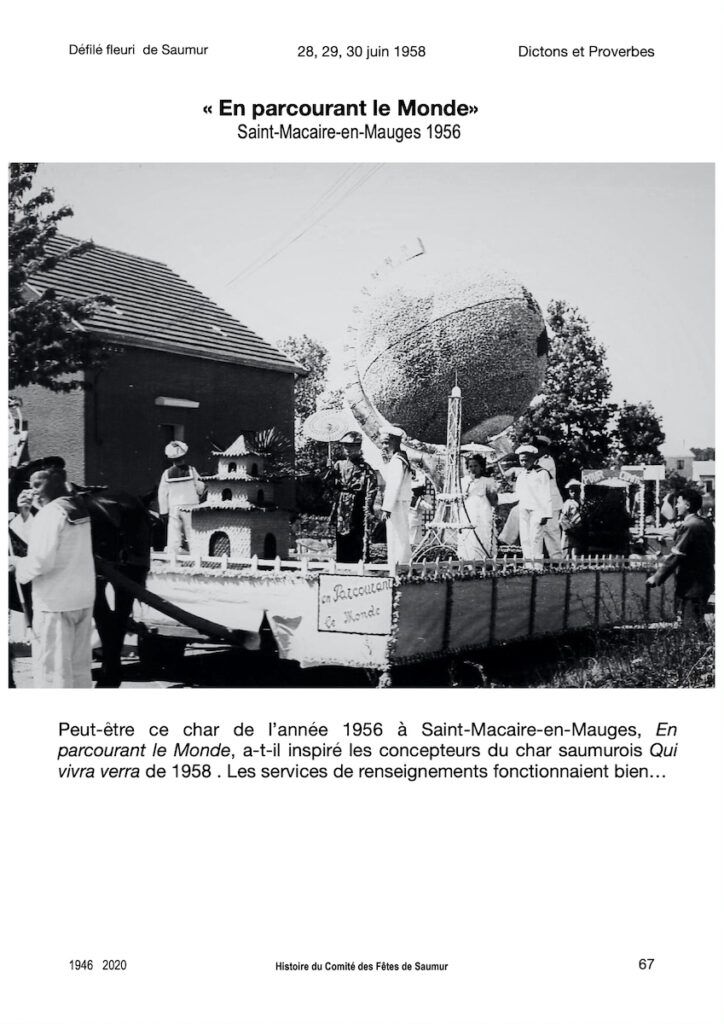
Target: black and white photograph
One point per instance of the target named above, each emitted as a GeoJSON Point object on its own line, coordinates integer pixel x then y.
{"type": "Point", "coordinates": [361, 425]}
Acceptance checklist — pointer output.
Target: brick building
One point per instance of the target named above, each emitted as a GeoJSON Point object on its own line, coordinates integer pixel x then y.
{"type": "Point", "coordinates": [181, 368]}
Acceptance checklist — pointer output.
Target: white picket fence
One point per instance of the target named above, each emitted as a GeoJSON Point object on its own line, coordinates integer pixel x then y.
{"type": "Point", "coordinates": [426, 567]}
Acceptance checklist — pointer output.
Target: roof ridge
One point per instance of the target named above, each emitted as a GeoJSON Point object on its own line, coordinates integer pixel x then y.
{"type": "Point", "coordinates": [108, 248]}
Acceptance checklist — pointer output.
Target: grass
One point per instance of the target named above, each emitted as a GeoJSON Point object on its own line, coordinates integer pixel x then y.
{"type": "Point", "coordinates": [633, 658]}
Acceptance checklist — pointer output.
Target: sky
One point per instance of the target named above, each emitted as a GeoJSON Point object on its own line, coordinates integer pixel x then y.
{"type": "Point", "coordinates": [287, 248]}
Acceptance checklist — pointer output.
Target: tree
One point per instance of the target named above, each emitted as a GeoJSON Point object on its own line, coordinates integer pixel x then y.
{"type": "Point", "coordinates": [332, 398]}
{"type": "Point", "coordinates": [315, 360]}
{"type": "Point", "coordinates": [638, 435]}
{"type": "Point", "coordinates": [703, 454]}
{"type": "Point", "coordinates": [311, 457]}
{"type": "Point", "coordinates": [676, 481]}
{"type": "Point", "coordinates": [46, 339]}
{"type": "Point", "coordinates": [277, 450]}
{"type": "Point", "coordinates": [574, 408]}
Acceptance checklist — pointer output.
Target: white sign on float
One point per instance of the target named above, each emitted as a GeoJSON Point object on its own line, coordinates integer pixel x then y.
{"type": "Point", "coordinates": [355, 604]}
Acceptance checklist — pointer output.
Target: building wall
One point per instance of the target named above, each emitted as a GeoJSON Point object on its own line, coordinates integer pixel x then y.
{"type": "Point", "coordinates": [124, 428]}
{"type": "Point", "coordinates": [704, 474]}
{"type": "Point", "coordinates": [682, 464]}
{"type": "Point", "coordinates": [55, 427]}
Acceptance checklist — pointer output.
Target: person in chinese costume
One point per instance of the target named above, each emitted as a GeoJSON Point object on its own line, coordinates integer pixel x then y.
{"type": "Point", "coordinates": [354, 483]}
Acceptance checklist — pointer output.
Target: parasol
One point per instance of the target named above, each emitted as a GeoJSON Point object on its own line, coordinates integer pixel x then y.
{"type": "Point", "coordinates": [478, 449]}
{"type": "Point", "coordinates": [326, 425]}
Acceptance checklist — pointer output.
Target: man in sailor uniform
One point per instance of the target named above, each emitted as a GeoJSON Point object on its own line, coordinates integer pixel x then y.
{"type": "Point", "coordinates": [552, 529]}
{"type": "Point", "coordinates": [180, 487]}
{"type": "Point", "coordinates": [532, 487]}
{"type": "Point", "coordinates": [397, 497]}
{"type": "Point", "coordinates": [59, 563]}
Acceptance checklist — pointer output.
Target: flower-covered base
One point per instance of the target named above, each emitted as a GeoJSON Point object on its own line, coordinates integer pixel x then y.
{"type": "Point", "coordinates": [431, 616]}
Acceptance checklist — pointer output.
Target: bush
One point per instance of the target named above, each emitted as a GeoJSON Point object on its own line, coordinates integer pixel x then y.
{"type": "Point", "coordinates": [668, 657]}
{"type": "Point", "coordinates": [605, 523]}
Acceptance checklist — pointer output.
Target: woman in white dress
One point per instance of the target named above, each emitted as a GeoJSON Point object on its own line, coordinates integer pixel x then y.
{"type": "Point", "coordinates": [480, 496]}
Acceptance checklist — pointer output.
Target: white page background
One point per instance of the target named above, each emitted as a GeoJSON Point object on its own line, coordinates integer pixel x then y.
{"type": "Point", "coordinates": [542, 897]}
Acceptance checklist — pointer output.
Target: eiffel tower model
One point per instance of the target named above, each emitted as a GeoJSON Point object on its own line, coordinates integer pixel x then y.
{"type": "Point", "coordinates": [443, 530]}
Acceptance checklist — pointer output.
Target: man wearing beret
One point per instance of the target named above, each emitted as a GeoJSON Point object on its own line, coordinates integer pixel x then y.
{"type": "Point", "coordinates": [180, 487]}
{"type": "Point", "coordinates": [59, 563]}
{"type": "Point", "coordinates": [355, 488]}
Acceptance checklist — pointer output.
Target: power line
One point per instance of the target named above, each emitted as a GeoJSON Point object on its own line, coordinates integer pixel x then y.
{"type": "Point", "coordinates": [299, 221]}
{"type": "Point", "coordinates": [367, 172]}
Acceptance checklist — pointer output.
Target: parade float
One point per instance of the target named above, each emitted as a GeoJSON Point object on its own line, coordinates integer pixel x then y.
{"type": "Point", "coordinates": [454, 355]}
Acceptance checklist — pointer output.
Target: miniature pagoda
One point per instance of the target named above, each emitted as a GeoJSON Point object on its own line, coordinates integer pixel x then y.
{"type": "Point", "coordinates": [239, 518]}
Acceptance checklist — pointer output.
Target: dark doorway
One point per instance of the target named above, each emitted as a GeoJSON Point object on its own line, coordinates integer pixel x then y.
{"type": "Point", "coordinates": [219, 544]}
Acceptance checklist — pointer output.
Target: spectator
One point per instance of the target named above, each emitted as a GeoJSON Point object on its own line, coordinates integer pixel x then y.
{"type": "Point", "coordinates": [570, 520]}
{"type": "Point", "coordinates": [691, 559]}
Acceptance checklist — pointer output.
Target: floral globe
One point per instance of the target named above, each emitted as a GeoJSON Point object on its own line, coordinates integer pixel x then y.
{"type": "Point", "coordinates": [427, 324]}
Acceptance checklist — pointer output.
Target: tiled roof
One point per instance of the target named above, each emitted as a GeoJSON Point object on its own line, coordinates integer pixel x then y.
{"type": "Point", "coordinates": [155, 308]}
{"type": "Point", "coordinates": [244, 478]}
{"type": "Point", "coordinates": [225, 506]}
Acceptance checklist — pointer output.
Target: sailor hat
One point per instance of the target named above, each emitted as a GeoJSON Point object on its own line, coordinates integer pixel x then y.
{"type": "Point", "coordinates": [526, 449]}
{"type": "Point", "coordinates": [25, 471]}
{"type": "Point", "coordinates": [176, 449]}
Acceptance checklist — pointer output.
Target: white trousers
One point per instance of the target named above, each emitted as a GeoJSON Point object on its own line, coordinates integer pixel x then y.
{"type": "Point", "coordinates": [531, 536]}
{"type": "Point", "coordinates": [399, 551]}
{"type": "Point", "coordinates": [179, 527]}
{"type": "Point", "coordinates": [552, 537]}
{"type": "Point", "coordinates": [511, 530]}
{"type": "Point", "coordinates": [62, 649]}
